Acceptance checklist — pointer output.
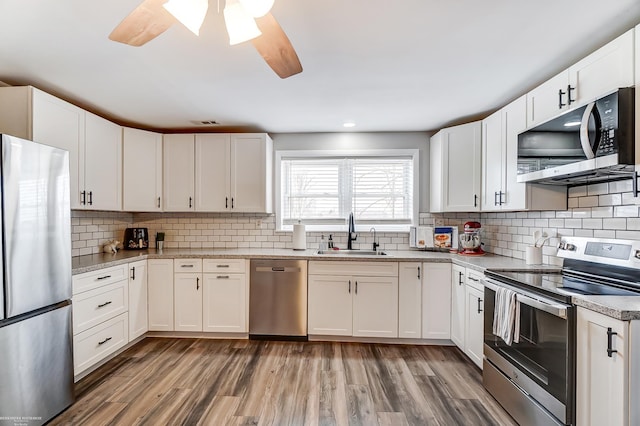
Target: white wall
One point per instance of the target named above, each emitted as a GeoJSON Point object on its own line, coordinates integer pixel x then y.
{"type": "Point", "coordinates": [347, 141]}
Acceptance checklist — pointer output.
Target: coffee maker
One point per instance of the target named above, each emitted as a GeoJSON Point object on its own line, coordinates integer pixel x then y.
{"type": "Point", "coordinates": [470, 244]}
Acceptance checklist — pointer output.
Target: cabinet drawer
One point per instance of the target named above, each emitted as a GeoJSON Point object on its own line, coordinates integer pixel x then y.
{"type": "Point", "coordinates": [474, 278]}
{"type": "Point", "coordinates": [95, 344]}
{"type": "Point", "coordinates": [99, 278]}
{"type": "Point", "coordinates": [377, 269]}
{"type": "Point", "coordinates": [232, 266]}
{"type": "Point", "coordinates": [187, 265]}
{"type": "Point", "coordinates": [95, 306]}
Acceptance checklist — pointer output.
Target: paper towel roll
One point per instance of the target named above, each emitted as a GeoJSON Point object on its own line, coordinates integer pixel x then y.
{"type": "Point", "coordinates": [299, 237]}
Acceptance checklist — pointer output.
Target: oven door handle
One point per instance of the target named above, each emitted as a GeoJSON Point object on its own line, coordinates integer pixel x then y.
{"type": "Point", "coordinates": [555, 309]}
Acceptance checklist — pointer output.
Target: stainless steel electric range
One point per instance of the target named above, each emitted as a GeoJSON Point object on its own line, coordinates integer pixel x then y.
{"type": "Point", "coordinates": [534, 379]}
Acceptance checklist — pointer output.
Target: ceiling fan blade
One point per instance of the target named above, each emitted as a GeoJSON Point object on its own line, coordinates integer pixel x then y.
{"type": "Point", "coordinates": [275, 47]}
{"type": "Point", "coordinates": [146, 22]}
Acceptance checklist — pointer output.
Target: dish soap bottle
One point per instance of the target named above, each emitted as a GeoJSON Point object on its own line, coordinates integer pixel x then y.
{"type": "Point", "coordinates": [323, 244]}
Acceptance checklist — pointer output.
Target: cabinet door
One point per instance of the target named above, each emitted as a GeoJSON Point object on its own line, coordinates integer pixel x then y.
{"type": "Point", "coordinates": [603, 71]}
{"type": "Point", "coordinates": [224, 303]}
{"type": "Point", "coordinates": [330, 305]}
{"type": "Point", "coordinates": [102, 164]}
{"type": "Point", "coordinates": [160, 291]}
{"type": "Point", "coordinates": [457, 305]}
{"type": "Point", "coordinates": [493, 159]}
{"type": "Point", "coordinates": [436, 301]}
{"type": "Point", "coordinates": [602, 396]}
{"type": "Point", "coordinates": [138, 322]}
{"type": "Point", "coordinates": [251, 171]}
{"type": "Point", "coordinates": [474, 324]}
{"type": "Point", "coordinates": [213, 177]}
{"type": "Point", "coordinates": [188, 302]}
{"type": "Point", "coordinates": [544, 101]}
{"type": "Point", "coordinates": [179, 172]}
{"type": "Point", "coordinates": [375, 306]}
{"type": "Point", "coordinates": [60, 124]}
{"type": "Point", "coordinates": [142, 170]}
{"type": "Point", "coordinates": [461, 167]}
{"type": "Point", "coordinates": [410, 276]}
{"type": "Point", "coordinates": [436, 173]}
{"type": "Point", "coordinates": [514, 121]}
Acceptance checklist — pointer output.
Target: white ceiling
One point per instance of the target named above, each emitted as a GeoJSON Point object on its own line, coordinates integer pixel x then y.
{"type": "Point", "coordinates": [405, 65]}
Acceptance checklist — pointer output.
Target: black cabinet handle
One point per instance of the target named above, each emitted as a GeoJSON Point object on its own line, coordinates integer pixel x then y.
{"type": "Point", "coordinates": [479, 305]}
{"type": "Point", "coordinates": [190, 202]}
{"type": "Point", "coordinates": [610, 350]}
{"type": "Point", "coordinates": [501, 194]}
{"type": "Point", "coordinates": [133, 273]}
{"type": "Point", "coordinates": [569, 89]}
{"type": "Point", "coordinates": [83, 198]}
{"type": "Point", "coordinates": [418, 272]}
{"type": "Point", "coordinates": [197, 283]}
{"type": "Point", "coordinates": [473, 279]}
{"type": "Point", "coordinates": [104, 341]}
{"type": "Point", "coordinates": [475, 200]}
{"type": "Point", "coordinates": [103, 278]}
{"type": "Point", "coordinates": [232, 203]}
{"type": "Point", "coordinates": [356, 287]}
{"type": "Point", "coordinates": [560, 104]}
{"type": "Point", "coordinates": [222, 277]}
{"type": "Point", "coordinates": [349, 286]}
{"type": "Point", "coordinates": [158, 202]}
{"type": "Point", "coordinates": [636, 191]}
{"type": "Point", "coordinates": [186, 266]}
{"type": "Point", "coordinates": [102, 305]}
{"type": "Point", "coordinates": [226, 202]}
{"type": "Point", "coordinates": [90, 198]}
{"type": "Point", "coordinates": [222, 266]}
{"type": "Point", "coordinates": [460, 278]}
{"type": "Point", "coordinates": [495, 198]}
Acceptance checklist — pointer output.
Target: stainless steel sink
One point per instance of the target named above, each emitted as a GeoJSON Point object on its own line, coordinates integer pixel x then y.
{"type": "Point", "coordinates": [351, 252]}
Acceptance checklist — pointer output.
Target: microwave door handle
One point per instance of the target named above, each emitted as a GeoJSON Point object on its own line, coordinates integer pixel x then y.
{"type": "Point", "coordinates": [554, 309]}
{"type": "Point", "coordinates": [584, 132]}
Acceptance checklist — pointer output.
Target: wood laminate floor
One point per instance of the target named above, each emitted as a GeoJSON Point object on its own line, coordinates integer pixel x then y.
{"type": "Point", "coordinates": [239, 382]}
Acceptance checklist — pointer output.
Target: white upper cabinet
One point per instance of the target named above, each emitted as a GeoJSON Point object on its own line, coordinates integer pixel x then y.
{"type": "Point", "coordinates": [455, 169]}
{"type": "Point", "coordinates": [605, 70]}
{"type": "Point", "coordinates": [213, 175]}
{"type": "Point", "coordinates": [142, 171]}
{"type": "Point", "coordinates": [500, 189]}
{"type": "Point", "coordinates": [101, 183]}
{"type": "Point", "coordinates": [251, 173]}
{"type": "Point", "coordinates": [94, 144]}
{"type": "Point", "coordinates": [218, 172]}
{"type": "Point", "coordinates": [179, 172]}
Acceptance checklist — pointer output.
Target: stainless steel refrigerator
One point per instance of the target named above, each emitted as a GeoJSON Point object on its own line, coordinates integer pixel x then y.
{"type": "Point", "coordinates": [36, 356]}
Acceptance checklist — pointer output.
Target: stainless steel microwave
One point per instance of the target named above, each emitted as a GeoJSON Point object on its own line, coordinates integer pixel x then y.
{"type": "Point", "coordinates": [593, 143]}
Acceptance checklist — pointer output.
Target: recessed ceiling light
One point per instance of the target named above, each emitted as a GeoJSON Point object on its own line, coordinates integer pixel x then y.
{"type": "Point", "coordinates": [349, 124]}
{"type": "Point", "coordinates": [572, 123]}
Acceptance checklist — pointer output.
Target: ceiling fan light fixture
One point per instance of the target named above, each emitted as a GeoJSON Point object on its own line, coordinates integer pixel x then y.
{"type": "Point", "coordinates": [257, 8]}
{"type": "Point", "coordinates": [190, 13]}
{"type": "Point", "coordinates": [240, 25]}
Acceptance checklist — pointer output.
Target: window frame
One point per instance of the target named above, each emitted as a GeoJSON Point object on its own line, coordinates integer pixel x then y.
{"type": "Point", "coordinates": [382, 153]}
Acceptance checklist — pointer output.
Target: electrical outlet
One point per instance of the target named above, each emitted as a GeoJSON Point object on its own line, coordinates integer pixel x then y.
{"type": "Point", "coordinates": [439, 222]}
{"type": "Point", "coordinates": [259, 223]}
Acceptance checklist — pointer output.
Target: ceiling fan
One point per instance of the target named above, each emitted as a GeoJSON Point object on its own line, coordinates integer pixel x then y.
{"type": "Point", "coordinates": [245, 20]}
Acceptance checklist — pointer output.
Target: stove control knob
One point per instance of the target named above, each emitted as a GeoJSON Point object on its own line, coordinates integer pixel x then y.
{"type": "Point", "coordinates": [637, 254]}
{"type": "Point", "coordinates": [561, 245]}
{"type": "Point", "coordinates": [570, 247]}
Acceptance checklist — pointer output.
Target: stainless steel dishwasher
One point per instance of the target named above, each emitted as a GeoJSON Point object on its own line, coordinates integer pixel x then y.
{"type": "Point", "coordinates": [278, 299]}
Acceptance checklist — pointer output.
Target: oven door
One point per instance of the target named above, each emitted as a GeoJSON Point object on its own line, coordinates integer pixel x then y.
{"type": "Point", "coordinates": [542, 362]}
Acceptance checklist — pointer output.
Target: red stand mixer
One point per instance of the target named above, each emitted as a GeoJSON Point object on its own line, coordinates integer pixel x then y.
{"type": "Point", "coordinates": [470, 244]}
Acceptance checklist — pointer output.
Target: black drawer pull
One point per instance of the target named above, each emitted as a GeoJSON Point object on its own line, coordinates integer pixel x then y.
{"type": "Point", "coordinates": [103, 278]}
{"type": "Point", "coordinates": [104, 341]}
{"type": "Point", "coordinates": [610, 350]}
{"type": "Point", "coordinates": [102, 305]}
{"type": "Point", "coordinates": [186, 266]}
{"type": "Point", "coordinates": [473, 279]}
{"type": "Point", "coordinates": [222, 266]}
{"type": "Point", "coordinates": [225, 277]}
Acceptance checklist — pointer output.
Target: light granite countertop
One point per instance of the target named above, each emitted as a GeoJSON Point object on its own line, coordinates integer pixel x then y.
{"type": "Point", "coordinates": [88, 263]}
{"type": "Point", "coordinates": [624, 308]}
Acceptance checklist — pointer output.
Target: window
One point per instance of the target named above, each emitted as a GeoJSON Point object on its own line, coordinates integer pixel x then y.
{"type": "Point", "coordinates": [321, 188]}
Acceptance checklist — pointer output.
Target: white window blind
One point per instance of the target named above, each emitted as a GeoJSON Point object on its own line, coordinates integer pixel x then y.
{"type": "Point", "coordinates": [318, 190]}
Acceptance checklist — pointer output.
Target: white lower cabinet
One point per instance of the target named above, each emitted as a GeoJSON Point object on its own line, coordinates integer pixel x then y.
{"type": "Point", "coordinates": [458, 309]}
{"type": "Point", "coordinates": [474, 320]}
{"type": "Point", "coordinates": [188, 301]}
{"type": "Point", "coordinates": [436, 301]}
{"type": "Point", "coordinates": [225, 296]}
{"type": "Point", "coordinates": [100, 316]}
{"type": "Point", "coordinates": [138, 297]}
{"type": "Point", "coordinates": [607, 375]}
{"type": "Point", "coordinates": [160, 294]}
{"type": "Point", "coordinates": [353, 305]}
{"type": "Point", "coordinates": [410, 299]}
